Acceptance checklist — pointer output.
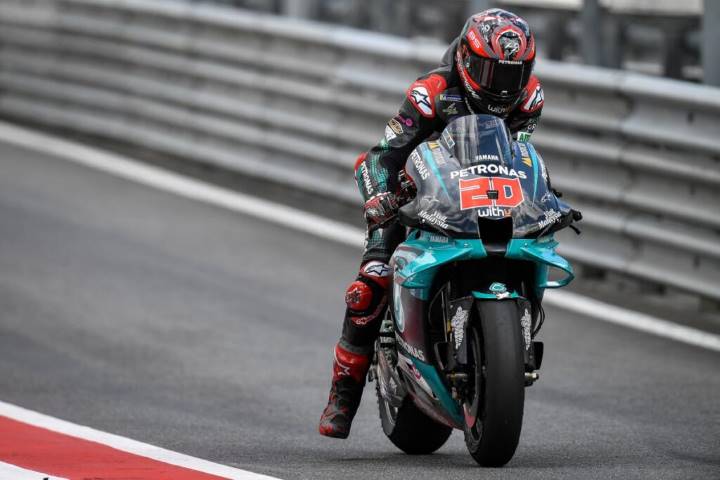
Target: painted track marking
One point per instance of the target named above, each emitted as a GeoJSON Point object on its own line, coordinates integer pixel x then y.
{"type": "Point", "coordinates": [299, 220]}
{"type": "Point", "coordinates": [12, 472]}
{"type": "Point", "coordinates": [29, 429]}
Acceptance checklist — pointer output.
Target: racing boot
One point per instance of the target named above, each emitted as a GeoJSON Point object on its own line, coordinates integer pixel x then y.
{"type": "Point", "coordinates": [366, 299]}
{"type": "Point", "coordinates": [348, 380]}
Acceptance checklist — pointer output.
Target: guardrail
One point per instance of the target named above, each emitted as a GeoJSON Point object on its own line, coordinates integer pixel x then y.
{"type": "Point", "coordinates": [640, 35]}
{"type": "Point", "coordinates": [295, 102]}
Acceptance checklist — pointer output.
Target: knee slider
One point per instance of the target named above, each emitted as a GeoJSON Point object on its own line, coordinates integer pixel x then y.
{"type": "Point", "coordinates": [358, 296]}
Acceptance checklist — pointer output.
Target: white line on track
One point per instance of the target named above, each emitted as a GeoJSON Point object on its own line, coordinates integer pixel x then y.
{"type": "Point", "coordinates": [121, 443]}
{"type": "Point", "coordinates": [628, 318]}
{"type": "Point", "coordinates": [11, 472]}
{"type": "Point", "coordinates": [313, 224]}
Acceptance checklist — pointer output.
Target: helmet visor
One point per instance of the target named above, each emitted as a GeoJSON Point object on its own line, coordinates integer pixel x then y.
{"type": "Point", "coordinates": [499, 76]}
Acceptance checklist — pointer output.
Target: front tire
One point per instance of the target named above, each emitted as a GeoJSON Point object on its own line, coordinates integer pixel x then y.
{"type": "Point", "coordinates": [494, 409]}
{"type": "Point", "coordinates": [409, 429]}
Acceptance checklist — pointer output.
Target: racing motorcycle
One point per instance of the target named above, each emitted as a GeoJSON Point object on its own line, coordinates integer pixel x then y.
{"type": "Point", "coordinates": [456, 347]}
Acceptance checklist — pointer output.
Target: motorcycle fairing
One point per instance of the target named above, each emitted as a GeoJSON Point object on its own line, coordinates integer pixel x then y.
{"type": "Point", "coordinates": [431, 375]}
{"type": "Point", "coordinates": [415, 264]}
{"type": "Point", "coordinates": [417, 260]}
{"type": "Point", "coordinates": [418, 271]}
{"type": "Point", "coordinates": [541, 251]}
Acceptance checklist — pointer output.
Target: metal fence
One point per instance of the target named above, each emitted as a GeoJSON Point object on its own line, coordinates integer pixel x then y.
{"type": "Point", "coordinates": [294, 103]}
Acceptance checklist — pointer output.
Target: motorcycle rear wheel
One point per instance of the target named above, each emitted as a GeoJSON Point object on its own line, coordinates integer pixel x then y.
{"type": "Point", "coordinates": [409, 429]}
{"type": "Point", "coordinates": [497, 399]}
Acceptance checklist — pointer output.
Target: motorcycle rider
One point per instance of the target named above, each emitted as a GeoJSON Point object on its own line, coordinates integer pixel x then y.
{"type": "Point", "coordinates": [487, 69]}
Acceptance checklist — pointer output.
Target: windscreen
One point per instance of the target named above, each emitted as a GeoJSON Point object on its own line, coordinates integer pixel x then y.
{"type": "Point", "coordinates": [474, 171]}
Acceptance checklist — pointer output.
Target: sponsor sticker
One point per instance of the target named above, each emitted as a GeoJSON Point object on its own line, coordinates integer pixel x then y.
{"type": "Point", "coordinates": [542, 169]}
{"type": "Point", "coordinates": [389, 133]}
{"type": "Point", "coordinates": [551, 216]}
{"type": "Point", "coordinates": [451, 110]}
{"type": "Point", "coordinates": [548, 197]}
{"type": "Point", "coordinates": [434, 218]}
{"type": "Point", "coordinates": [493, 212]}
{"type": "Point", "coordinates": [485, 169]}
{"type": "Point", "coordinates": [421, 98]}
{"type": "Point", "coordinates": [485, 157]}
{"type": "Point", "coordinates": [367, 182]}
{"type": "Point", "coordinates": [524, 153]}
{"type": "Point", "coordinates": [395, 126]}
{"type": "Point", "coordinates": [416, 373]}
{"type": "Point", "coordinates": [448, 139]}
{"type": "Point", "coordinates": [419, 165]}
{"type": "Point", "coordinates": [526, 321]}
{"type": "Point", "coordinates": [438, 238]}
{"type": "Point", "coordinates": [439, 157]}
{"type": "Point", "coordinates": [414, 351]}
{"type": "Point", "coordinates": [523, 137]}
{"type": "Point", "coordinates": [450, 98]}
{"type": "Point", "coordinates": [458, 322]}
{"type": "Point", "coordinates": [498, 109]}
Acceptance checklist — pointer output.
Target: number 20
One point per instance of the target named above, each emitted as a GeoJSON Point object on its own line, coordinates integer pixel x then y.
{"type": "Point", "coordinates": [474, 192]}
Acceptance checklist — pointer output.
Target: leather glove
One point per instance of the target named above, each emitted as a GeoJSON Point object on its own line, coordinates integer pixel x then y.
{"type": "Point", "coordinates": [380, 209]}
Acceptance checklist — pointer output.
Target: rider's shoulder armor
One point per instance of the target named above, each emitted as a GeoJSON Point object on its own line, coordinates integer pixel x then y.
{"type": "Point", "coordinates": [423, 93]}
{"type": "Point", "coordinates": [532, 98]}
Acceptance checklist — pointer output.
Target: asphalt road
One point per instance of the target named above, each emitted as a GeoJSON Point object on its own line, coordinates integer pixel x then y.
{"type": "Point", "coordinates": [203, 331]}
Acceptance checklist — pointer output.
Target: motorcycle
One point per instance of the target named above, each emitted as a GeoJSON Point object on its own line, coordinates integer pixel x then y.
{"type": "Point", "coordinates": [456, 348]}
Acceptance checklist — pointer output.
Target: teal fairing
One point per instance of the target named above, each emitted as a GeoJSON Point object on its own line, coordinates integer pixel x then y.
{"type": "Point", "coordinates": [474, 171]}
{"type": "Point", "coordinates": [418, 259]}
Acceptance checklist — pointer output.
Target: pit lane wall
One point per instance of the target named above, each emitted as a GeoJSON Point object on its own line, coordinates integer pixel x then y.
{"type": "Point", "coordinates": [295, 102]}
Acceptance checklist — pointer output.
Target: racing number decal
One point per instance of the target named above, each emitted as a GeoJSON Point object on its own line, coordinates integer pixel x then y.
{"type": "Point", "coordinates": [490, 192]}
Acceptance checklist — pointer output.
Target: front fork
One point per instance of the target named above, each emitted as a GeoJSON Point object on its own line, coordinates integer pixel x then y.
{"type": "Point", "coordinates": [458, 314]}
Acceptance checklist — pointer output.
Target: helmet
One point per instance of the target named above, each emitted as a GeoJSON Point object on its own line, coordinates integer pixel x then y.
{"type": "Point", "coordinates": [495, 57]}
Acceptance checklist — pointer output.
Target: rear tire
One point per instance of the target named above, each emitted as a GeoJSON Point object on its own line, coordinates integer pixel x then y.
{"type": "Point", "coordinates": [409, 429]}
{"type": "Point", "coordinates": [498, 388]}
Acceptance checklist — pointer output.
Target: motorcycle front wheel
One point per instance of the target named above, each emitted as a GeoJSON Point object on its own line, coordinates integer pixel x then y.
{"type": "Point", "coordinates": [495, 404]}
